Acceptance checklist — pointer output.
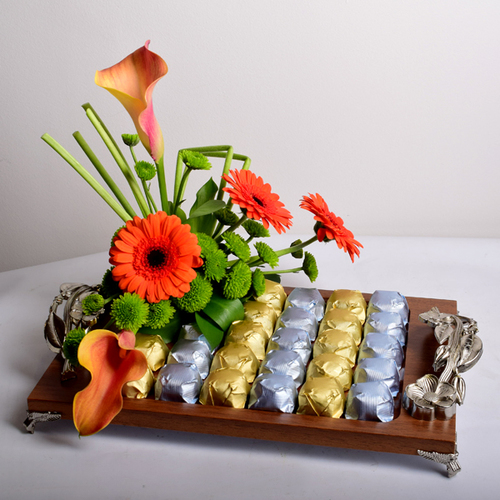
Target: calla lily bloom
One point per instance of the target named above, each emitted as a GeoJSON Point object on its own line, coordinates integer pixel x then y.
{"type": "Point", "coordinates": [112, 361]}
{"type": "Point", "coordinates": [132, 81]}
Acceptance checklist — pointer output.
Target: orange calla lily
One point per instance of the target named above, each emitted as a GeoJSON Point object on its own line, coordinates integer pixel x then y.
{"type": "Point", "coordinates": [132, 81]}
{"type": "Point", "coordinates": [112, 361]}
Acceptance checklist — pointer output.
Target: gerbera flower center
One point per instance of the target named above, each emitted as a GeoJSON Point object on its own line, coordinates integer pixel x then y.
{"type": "Point", "coordinates": [258, 200]}
{"type": "Point", "coordinates": [156, 258]}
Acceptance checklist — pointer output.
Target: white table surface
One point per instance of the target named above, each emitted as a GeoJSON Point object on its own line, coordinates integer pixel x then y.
{"type": "Point", "coordinates": [137, 463]}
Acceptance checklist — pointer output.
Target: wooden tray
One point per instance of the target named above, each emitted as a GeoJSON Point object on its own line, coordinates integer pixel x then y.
{"type": "Point", "coordinates": [403, 435]}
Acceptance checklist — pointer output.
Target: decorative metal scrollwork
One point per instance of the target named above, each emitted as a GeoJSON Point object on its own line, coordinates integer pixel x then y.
{"type": "Point", "coordinates": [36, 416]}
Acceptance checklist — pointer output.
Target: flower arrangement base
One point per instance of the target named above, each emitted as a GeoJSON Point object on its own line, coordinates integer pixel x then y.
{"type": "Point", "coordinates": [52, 399]}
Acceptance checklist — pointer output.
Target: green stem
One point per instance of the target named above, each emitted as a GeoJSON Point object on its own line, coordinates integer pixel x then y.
{"type": "Point", "coordinates": [288, 250]}
{"type": "Point", "coordinates": [242, 219]}
{"type": "Point", "coordinates": [160, 167]}
{"type": "Point", "coordinates": [121, 212]}
{"type": "Point", "coordinates": [132, 152]}
{"type": "Point", "coordinates": [118, 156]}
{"type": "Point", "coordinates": [104, 174]}
{"type": "Point", "coordinates": [145, 189]}
{"type": "Point", "coordinates": [284, 271]}
{"type": "Point", "coordinates": [178, 176]}
{"type": "Point", "coordinates": [151, 199]}
{"type": "Point", "coordinates": [182, 188]}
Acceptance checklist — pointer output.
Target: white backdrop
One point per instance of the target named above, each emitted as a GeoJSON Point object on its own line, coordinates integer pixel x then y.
{"type": "Point", "coordinates": [389, 109]}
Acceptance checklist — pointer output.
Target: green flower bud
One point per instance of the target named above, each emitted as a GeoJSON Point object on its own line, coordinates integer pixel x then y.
{"type": "Point", "coordinates": [208, 245]}
{"type": "Point", "coordinates": [130, 140]}
{"type": "Point", "coordinates": [195, 160]}
{"type": "Point", "coordinates": [267, 254]}
{"type": "Point", "coordinates": [197, 298]}
{"type": "Point", "coordinates": [145, 170]}
{"type": "Point", "coordinates": [160, 314]}
{"type": "Point", "coordinates": [92, 304]}
{"type": "Point", "coordinates": [259, 282]}
{"type": "Point", "coordinates": [299, 253]}
{"type": "Point", "coordinates": [310, 267]}
{"type": "Point", "coordinates": [226, 217]}
{"type": "Point", "coordinates": [236, 245]}
{"type": "Point", "coordinates": [129, 312]}
{"type": "Point", "coordinates": [255, 229]}
{"type": "Point", "coordinates": [238, 281]}
{"type": "Point", "coordinates": [215, 265]}
{"type": "Point", "coordinates": [71, 344]}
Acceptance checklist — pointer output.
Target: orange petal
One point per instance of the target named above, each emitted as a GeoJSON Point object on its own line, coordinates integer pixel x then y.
{"type": "Point", "coordinates": [110, 366]}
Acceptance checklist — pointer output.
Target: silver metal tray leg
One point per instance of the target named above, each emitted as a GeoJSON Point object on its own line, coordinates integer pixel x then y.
{"type": "Point", "coordinates": [448, 459]}
{"type": "Point", "coordinates": [35, 416]}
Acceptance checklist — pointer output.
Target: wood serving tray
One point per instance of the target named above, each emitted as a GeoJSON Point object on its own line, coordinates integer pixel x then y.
{"type": "Point", "coordinates": [403, 435]}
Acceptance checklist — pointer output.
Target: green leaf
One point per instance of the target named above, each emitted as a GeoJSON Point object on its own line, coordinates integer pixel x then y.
{"type": "Point", "coordinates": [169, 332]}
{"type": "Point", "coordinates": [212, 332]}
{"type": "Point", "coordinates": [224, 311]}
{"type": "Point", "coordinates": [205, 223]}
{"type": "Point", "coordinates": [273, 277]}
{"type": "Point", "coordinates": [209, 207]}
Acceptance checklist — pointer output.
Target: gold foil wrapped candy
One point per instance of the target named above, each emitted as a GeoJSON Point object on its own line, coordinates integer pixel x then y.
{"type": "Point", "coordinates": [225, 387]}
{"type": "Point", "coordinates": [274, 295]}
{"type": "Point", "coordinates": [251, 334]}
{"type": "Point", "coordinates": [155, 350]}
{"type": "Point", "coordinates": [237, 356]}
{"type": "Point", "coordinates": [139, 389]}
{"type": "Point", "coordinates": [330, 364]}
{"type": "Point", "coordinates": [322, 396]}
{"type": "Point", "coordinates": [261, 313]}
{"type": "Point", "coordinates": [342, 319]}
{"type": "Point", "coordinates": [351, 300]}
{"type": "Point", "coordinates": [338, 342]}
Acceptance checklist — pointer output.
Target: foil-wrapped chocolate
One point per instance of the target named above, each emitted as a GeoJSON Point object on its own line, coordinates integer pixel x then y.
{"type": "Point", "coordinates": [380, 345]}
{"type": "Point", "coordinates": [390, 323]}
{"type": "Point", "coordinates": [154, 348]}
{"type": "Point", "coordinates": [225, 387]}
{"type": "Point", "coordinates": [273, 392]}
{"type": "Point", "coordinates": [195, 352]}
{"type": "Point", "coordinates": [352, 300]}
{"type": "Point", "coordinates": [309, 299]}
{"type": "Point", "coordinates": [322, 396]}
{"type": "Point", "coordinates": [238, 356]}
{"type": "Point", "coordinates": [274, 295]}
{"type": "Point", "coordinates": [330, 364]}
{"type": "Point", "coordinates": [192, 332]}
{"type": "Point", "coordinates": [251, 334]}
{"type": "Point", "coordinates": [139, 389]}
{"type": "Point", "coordinates": [179, 382]}
{"type": "Point", "coordinates": [292, 339]}
{"type": "Point", "coordinates": [378, 369]}
{"type": "Point", "coordinates": [383, 300]}
{"type": "Point", "coordinates": [338, 342]}
{"type": "Point", "coordinates": [370, 401]}
{"type": "Point", "coordinates": [285, 363]}
{"type": "Point", "coordinates": [293, 317]}
{"type": "Point", "coordinates": [261, 313]}
{"type": "Point", "coordinates": [342, 319]}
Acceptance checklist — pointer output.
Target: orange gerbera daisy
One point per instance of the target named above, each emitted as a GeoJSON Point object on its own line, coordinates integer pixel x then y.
{"type": "Point", "coordinates": [257, 200]}
{"type": "Point", "coordinates": [331, 227]}
{"type": "Point", "coordinates": [155, 257]}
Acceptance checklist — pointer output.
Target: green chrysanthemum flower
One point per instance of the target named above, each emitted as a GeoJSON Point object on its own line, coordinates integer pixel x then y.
{"type": "Point", "coordinates": [197, 298]}
{"type": "Point", "coordinates": [92, 304]}
{"type": "Point", "coordinates": [145, 170]}
{"type": "Point", "coordinates": [109, 286]}
{"type": "Point", "coordinates": [255, 229]}
{"type": "Point", "coordinates": [215, 265]}
{"type": "Point", "coordinates": [160, 314]}
{"type": "Point", "coordinates": [226, 217]}
{"type": "Point", "coordinates": [238, 281]}
{"type": "Point", "coordinates": [129, 311]}
{"type": "Point", "coordinates": [310, 267]}
{"type": "Point", "coordinates": [267, 254]}
{"type": "Point", "coordinates": [130, 140]}
{"type": "Point", "coordinates": [299, 253]}
{"type": "Point", "coordinates": [208, 245]}
{"type": "Point", "coordinates": [195, 160]}
{"type": "Point", "coordinates": [236, 245]}
{"type": "Point", "coordinates": [258, 282]}
{"type": "Point", "coordinates": [71, 344]}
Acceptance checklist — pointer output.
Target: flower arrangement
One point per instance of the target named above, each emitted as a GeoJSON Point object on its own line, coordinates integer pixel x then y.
{"type": "Point", "coordinates": [171, 265]}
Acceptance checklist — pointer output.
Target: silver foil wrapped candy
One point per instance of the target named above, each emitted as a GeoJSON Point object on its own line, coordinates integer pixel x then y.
{"type": "Point", "coordinates": [381, 345]}
{"type": "Point", "coordinates": [179, 382]}
{"type": "Point", "coordinates": [273, 392]}
{"type": "Point", "coordinates": [292, 339]}
{"type": "Point", "coordinates": [387, 322]}
{"type": "Point", "coordinates": [294, 317]}
{"type": "Point", "coordinates": [383, 300]}
{"type": "Point", "coordinates": [309, 299]}
{"type": "Point", "coordinates": [370, 401]}
{"type": "Point", "coordinates": [194, 352]}
{"type": "Point", "coordinates": [285, 363]}
{"type": "Point", "coordinates": [378, 369]}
